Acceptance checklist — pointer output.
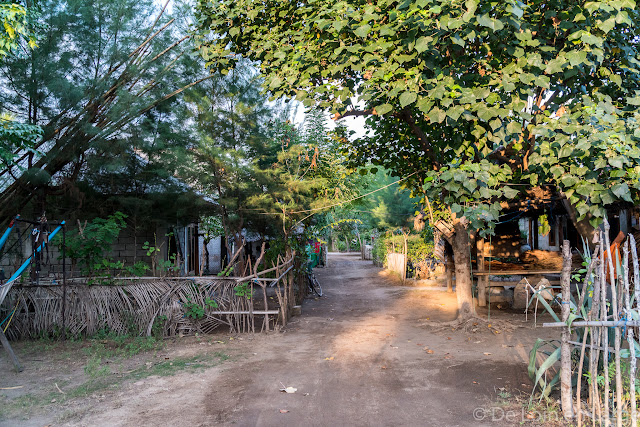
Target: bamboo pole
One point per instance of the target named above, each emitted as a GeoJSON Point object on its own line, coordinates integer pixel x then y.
{"type": "Point", "coordinates": [630, 338]}
{"type": "Point", "coordinates": [636, 270]}
{"type": "Point", "coordinates": [579, 383]}
{"type": "Point", "coordinates": [565, 352]}
{"type": "Point", "coordinates": [604, 331]}
{"type": "Point", "coordinates": [5, 343]}
{"type": "Point", "coordinates": [594, 353]}
{"type": "Point", "coordinates": [616, 341]}
{"type": "Point", "coordinates": [597, 323]}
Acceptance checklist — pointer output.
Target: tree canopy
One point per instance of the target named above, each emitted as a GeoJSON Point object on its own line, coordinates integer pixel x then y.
{"type": "Point", "coordinates": [488, 99]}
{"type": "Point", "coordinates": [546, 88]}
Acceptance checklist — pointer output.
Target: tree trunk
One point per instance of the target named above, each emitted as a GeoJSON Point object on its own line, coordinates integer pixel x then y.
{"type": "Point", "coordinates": [238, 242]}
{"type": "Point", "coordinates": [584, 227]}
{"type": "Point", "coordinates": [462, 260]}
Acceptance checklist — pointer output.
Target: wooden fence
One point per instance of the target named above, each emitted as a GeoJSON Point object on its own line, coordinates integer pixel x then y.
{"type": "Point", "coordinates": [167, 306]}
{"type": "Point", "coordinates": [598, 344]}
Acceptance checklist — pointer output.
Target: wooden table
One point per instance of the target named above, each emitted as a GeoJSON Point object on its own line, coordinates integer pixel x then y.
{"type": "Point", "coordinates": [483, 281]}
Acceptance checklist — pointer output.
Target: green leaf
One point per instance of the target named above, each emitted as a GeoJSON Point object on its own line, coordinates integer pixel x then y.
{"type": "Point", "coordinates": [423, 44]}
{"type": "Point", "coordinates": [607, 25]}
{"type": "Point", "coordinates": [565, 151]}
{"type": "Point", "coordinates": [555, 65]}
{"type": "Point", "coordinates": [615, 78]}
{"type": "Point", "coordinates": [576, 57]}
{"type": "Point", "coordinates": [556, 171]}
{"type": "Point", "coordinates": [622, 191]}
{"type": "Point", "coordinates": [487, 21]}
{"type": "Point", "coordinates": [383, 109]}
{"type": "Point", "coordinates": [509, 192]}
{"type": "Point", "coordinates": [407, 98]}
{"type": "Point", "coordinates": [338, 25]}
{"type": "Point", "coordinates": [437, 115]}
{"type": "Point", "coordinates": [591, 39]}
{"type": "Point", "coordinates": [363, 30]}
{"type": "Point", "coordinates": [606, 197]}
{"type": "Point", "coordinates": [455, 112]}
{"type": "Point", "coordinates": [470, 185]}
{"type": "Point", "coordinates": [616, 162]}
{"type": "Point", "coordinates": [568, 181]}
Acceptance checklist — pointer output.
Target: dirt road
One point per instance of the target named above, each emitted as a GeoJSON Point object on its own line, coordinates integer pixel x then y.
{"type": "Point", "coordinates": [358, 356]}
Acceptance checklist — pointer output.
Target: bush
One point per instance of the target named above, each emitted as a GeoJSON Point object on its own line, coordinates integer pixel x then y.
{"type": "Point", "coordinates": [89, 247]}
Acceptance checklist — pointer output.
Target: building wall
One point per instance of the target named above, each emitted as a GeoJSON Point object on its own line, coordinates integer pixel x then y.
{"type": "Point", "coordinates": [128, 247]}
{"type": "Point", "coordinates": [544, 241]}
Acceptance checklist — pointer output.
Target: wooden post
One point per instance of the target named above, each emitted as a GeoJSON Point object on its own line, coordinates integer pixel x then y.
{"type": "Point", "coordinates": [405, 253]}
{"type": "Point", "coordinates": [450, 267]}
{"type": "Point", "coordinates": [565, 352]}
{"type": "Point", "coordinates": [64, 281]}
{"type": "Point", "coordinates": [482, 280]}
{"type": "Point", "coordinates": [12, 355]}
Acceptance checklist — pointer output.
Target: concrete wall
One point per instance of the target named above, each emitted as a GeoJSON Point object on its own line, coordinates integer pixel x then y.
{"type": "Point", "coordinates": [128, 247]}
{"type": "Point", "coordinates": [543, 241]}
{"type": "Point", "coordinates": [214, 247]}
{"type": "Point", "coordinates": [396, 262]}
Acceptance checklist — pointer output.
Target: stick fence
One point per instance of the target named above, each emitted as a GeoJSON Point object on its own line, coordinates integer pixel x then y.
{"type": "Point", "coordinates": [599, 369]}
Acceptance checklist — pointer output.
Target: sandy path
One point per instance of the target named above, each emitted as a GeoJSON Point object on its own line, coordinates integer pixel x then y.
{"type": "Point", "coordinates": [378, 372]}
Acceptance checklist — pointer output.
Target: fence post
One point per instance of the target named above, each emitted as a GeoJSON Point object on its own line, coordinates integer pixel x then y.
{"type": "Point", "coordinates": [483, 281]}
{"type": "Point", "coordinates": [405, 252]}
{"type": "Point", "coordinates": [565, 351]}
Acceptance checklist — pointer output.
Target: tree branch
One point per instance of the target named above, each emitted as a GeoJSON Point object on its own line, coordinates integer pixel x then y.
{"type": "Point", "coordinates": [406, 117]}
{"type": "Point", "coordinates": [355, 113]}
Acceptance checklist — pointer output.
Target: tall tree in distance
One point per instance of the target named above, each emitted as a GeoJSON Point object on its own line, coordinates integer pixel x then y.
{"type": "Point", "coordinates": [231, 118]}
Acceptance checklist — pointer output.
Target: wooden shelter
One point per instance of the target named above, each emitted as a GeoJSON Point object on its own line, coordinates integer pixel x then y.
{"type": "Point", "coordinates": [528, 237]}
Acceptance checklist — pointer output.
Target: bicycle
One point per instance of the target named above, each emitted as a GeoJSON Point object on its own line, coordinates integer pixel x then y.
{"type": "Point", "coordinates": [313, 284]}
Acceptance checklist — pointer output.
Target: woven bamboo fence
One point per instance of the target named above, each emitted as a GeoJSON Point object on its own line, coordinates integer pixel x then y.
{"type": "Point", "coordinates": [129, 308]}
{"type": "Point", "coordinates": [598, 347]}
{"type": "Point", "coordinates": [166, 306]}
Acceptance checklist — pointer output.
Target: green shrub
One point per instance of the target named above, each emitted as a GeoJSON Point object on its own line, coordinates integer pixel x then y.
{"type": "Point", "coordinates": [89, 247]}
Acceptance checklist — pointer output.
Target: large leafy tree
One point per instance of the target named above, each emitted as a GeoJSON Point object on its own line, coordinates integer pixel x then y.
{"type": "Point", "coordinates": [477, 95]}
{"type": "Point", "coordinates": [263, 172]}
